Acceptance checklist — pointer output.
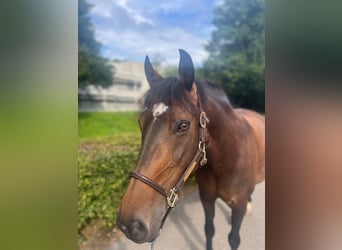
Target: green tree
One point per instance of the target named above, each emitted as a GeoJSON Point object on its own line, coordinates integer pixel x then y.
{"type": "Point", "coordinates": [237, 52]}
{"type": "Point", "coordinates": [92, 68]}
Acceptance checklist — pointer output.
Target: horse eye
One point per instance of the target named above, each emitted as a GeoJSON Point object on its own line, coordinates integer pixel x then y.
{"type": "Point", "coordinates": [183, 126]}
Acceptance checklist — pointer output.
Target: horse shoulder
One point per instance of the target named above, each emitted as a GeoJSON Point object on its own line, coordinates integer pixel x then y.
{"type": "Point", "coordinates": [257, 123]}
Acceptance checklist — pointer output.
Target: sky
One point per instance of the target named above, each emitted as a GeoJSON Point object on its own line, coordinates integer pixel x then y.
{"type": "Point", "coordinates": [132, 29]}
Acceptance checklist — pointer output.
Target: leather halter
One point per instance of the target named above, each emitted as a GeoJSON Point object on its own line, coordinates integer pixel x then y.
{"type": "Point", "coordinates": [199, 159]}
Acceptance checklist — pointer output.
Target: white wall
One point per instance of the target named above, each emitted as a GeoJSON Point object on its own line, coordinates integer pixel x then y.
{"type": "Point", "coordinates": [117, 97]}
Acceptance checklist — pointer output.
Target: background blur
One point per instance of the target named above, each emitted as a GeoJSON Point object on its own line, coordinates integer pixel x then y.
{"type": "Point", "coordinates": [226, 42]}
{"type": "Point", "coordinates": [39, 118]}
{"type": "Point", "coordinates": [38, 127]}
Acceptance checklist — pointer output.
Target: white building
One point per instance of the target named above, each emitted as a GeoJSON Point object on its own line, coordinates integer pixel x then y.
{"type": "Point", "coordinates": [129, 86]}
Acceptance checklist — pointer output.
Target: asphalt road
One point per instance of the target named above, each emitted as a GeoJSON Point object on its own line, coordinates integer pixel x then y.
{"type": "Point", "coordinates": [184, 228]}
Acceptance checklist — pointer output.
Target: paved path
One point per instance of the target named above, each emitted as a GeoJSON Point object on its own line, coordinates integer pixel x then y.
{"type": "Point", "coordinates": [184, 228]}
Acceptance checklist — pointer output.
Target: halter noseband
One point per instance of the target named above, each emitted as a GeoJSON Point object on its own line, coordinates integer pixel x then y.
{"type": "Point", "coordinates": [199, 158]}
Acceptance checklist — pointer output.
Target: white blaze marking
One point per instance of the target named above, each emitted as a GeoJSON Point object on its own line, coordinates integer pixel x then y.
{"type": "Point", "coordinates": [158, 109]}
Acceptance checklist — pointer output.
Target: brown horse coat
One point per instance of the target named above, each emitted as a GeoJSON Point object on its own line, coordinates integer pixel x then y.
{"type": "Point", "coordinates": [234, 143]}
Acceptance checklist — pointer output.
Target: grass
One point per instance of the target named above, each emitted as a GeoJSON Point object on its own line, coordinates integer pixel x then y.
{"type": "Point", "coordinates": [108, 149]}
{"type": "Point", "coordinates": [106, 124]}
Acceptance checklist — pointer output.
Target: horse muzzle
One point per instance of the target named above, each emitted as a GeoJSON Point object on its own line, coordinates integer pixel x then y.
{"type": "Point", "coordinates": [135, 230]}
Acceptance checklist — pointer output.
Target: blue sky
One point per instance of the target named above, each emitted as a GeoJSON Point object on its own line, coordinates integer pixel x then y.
{"type": "Point", "coordinates": [131, 29]}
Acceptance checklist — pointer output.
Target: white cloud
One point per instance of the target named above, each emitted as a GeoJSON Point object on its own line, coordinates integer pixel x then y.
{"type": "Point", "coordinates": [131, 29]}
{"type": "Point", "coordinates": [135, 13]}
{"type": "Point", "coordinates": [153, 42]}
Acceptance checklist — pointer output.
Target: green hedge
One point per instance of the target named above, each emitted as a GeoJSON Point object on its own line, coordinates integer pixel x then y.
{"type": "Point", "coordinates": [104, 165]}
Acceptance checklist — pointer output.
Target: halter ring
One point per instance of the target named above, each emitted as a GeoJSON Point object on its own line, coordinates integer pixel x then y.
{"type": "Point", "coordinates": [172, 198]}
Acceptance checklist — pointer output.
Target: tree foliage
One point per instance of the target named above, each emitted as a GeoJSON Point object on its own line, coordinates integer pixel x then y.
{"type": "Point", "coordinates": [237, 52]}
{"type": "Point", "coordinates": [92, 68]}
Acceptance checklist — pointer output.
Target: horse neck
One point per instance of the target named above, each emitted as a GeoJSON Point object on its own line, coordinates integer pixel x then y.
{"type": "Point", "coordinates": [224, 122]}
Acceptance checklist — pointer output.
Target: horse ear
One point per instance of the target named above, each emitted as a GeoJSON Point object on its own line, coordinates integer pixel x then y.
{"type": "Point", "coordinates": [152, 76]}
{"type": "Point", "coordinates": [186, 69]}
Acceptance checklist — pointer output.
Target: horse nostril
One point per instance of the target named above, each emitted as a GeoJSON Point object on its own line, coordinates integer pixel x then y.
{"type": "Point", "coordinates": [137, 231]}
{"type": "Point", "coordinates": [122, 227]}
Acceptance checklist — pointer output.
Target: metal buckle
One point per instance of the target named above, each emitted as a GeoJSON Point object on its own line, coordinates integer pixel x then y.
{"type": "Point", "coordinates": [204, 158]}
{"type": "Point", "coordinates": [172, 198]}
{"type": "Point", "coordinates": [201, 147]}
{"type": "Point", "coordinates": [203, 119]}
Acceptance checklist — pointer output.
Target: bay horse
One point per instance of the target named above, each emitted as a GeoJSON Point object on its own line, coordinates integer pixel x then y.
{"type": "Point", "coordinates": [189, 126]}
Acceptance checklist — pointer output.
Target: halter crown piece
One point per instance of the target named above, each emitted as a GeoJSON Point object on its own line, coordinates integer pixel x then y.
{"type": "Point", "coordinates": [200, 159]}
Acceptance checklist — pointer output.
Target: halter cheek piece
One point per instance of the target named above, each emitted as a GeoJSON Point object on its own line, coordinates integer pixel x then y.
{"type": "Point", "coordinates": [200, 159]}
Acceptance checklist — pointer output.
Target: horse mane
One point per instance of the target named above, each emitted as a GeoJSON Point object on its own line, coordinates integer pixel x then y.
{"type": "Point", "coordinates": [171, 90]}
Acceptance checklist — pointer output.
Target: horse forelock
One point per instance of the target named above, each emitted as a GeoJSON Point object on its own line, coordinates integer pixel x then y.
{"type": "Point", "coordinates": [169, 92]}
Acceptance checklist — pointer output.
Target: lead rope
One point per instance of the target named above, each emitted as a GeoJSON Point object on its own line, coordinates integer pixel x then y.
{"type": "Point", "coordinates": [154, 241]}
{"type": "Point", "coordinates": [152, 244]}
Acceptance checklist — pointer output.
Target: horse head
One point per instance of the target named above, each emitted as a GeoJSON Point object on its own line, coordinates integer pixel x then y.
{"type": "Point", "coordinates": [169, 124]}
